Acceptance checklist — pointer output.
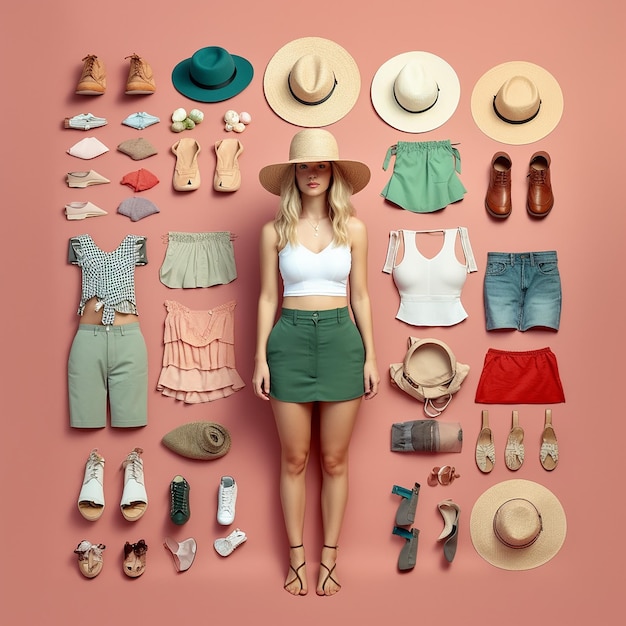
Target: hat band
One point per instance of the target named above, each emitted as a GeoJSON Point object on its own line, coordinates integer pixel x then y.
{"type": "Point", "coordinates": [306, 102]}
{"type": "Point", "coordinates": [218, 85]}
{"type": "Point", "coordinates": [421, 110]}
{"type": "Point", "coordinates": [508, 121]}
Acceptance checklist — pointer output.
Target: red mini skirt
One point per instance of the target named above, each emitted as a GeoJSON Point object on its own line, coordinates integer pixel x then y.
{"type": "Point", "coordinates": [530, 377]}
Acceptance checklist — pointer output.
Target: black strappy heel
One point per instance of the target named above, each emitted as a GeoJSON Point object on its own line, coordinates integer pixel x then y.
{"type": "Point", "coordinates": [329, 570]}
{"type": "Point", "coordinates": [296, 571]}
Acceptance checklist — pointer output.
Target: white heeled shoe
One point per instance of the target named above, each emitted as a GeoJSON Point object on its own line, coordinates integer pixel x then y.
{"type": "Point", "coordinates": [91, 496]}
{"type": "Point", "coordinates": [134, 497]}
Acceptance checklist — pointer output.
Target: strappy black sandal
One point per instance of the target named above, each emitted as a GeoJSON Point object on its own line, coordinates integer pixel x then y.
{"type": "Point", "coordinates": [296, 571]}
{"type": "Point", "coordinates": [329, 575]}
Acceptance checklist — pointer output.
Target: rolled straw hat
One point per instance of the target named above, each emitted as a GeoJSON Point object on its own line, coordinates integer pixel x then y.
{"type": "Point", "coordinates": [313, 145]}
{"type": "Point", "coordinates": [199, 440]}
{"type": "Point", "coordinates": [415, 91]}
{"type": "Point", "coordinates": [311, 82]}
{"type": "Point", "coordinates": [517, 525]}
{"type": "Point", "coordinates": [517, 102]}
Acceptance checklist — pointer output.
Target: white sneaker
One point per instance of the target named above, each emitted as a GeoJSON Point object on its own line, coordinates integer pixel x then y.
{"type": "Point", "coordinates": [91, 496]}
{"type": "Point", "coordinates": [226, 500]}
{"type": "Point", "coordinates": [225, 545]}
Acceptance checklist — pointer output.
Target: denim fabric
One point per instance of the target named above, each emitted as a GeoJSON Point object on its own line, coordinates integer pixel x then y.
{"type": "Point", "coordinates": [522, 290]}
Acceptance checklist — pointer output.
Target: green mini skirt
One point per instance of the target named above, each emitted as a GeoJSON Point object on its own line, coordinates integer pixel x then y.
{"type": "Point", "coordinates": [315, 356]}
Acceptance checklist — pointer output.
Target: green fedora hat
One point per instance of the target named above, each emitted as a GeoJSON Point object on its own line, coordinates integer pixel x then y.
{"type": "Point", "coordinates": [212, 74]}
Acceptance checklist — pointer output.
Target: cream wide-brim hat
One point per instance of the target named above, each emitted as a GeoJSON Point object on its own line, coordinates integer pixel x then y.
{"type": "Point", "coordinates": [314, 145]}
{"type": "Point", "coordinates": [542, 124]}
{"type": "Point", "coordinates": [337, 104]}
{"type": "Point", "coordinates": [387, 107]}
{"type": "Point", "coordinates": [549, 540]}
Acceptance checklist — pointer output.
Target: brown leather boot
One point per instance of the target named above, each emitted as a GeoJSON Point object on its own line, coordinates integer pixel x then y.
{"type": "Point", "coordinates": [140, 78]}
{"type": "Point", "coordinates": [540, 198]}
{"type": "Point", "coordinates": [498, 198]}
{"type": "Point", "coordinates": [93, 81]}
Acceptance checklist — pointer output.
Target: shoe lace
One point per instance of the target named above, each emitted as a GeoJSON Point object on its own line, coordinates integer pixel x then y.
{"type": "Point", "coordinates": [95, 464]}
{"type": "Point", "coordinates": [179, 502]}
{"type": "Point", "coordinates": [136, 66]}
{"type": "Point", "coordinates": [89, 61]}
{"type": "Point", "coordinates": [502, 177]}
{"type": "Point", "coordinates": [227, 499]}
{"type": "Point", "coordinates": [134, 465]}
{"type": "Point", "coordinates": [537, 176]}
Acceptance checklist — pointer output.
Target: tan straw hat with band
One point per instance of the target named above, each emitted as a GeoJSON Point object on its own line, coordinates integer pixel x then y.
{"type": "Point", "coordinates": [314, 145]}
{"type": "Point", "coordinates": [517, 525]}
{"type": "Point", "coordinates": [517, 103]}
{"type": "Point", "coordinates": [415, 91]}
{"type": "Point", "coordinates": [311, 82]}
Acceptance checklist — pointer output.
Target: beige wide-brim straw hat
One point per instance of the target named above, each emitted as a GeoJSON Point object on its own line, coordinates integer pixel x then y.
{"type": "Point", "coordinates": [415, 91]}
{"type": "Point", "coordinates": [314, 145]}
{"type": "Point", "coordinates": [517, 525]}
{"type": "Point", "coordinates": [312, 82]}
{"type": "Point", "coordinates": [517, 102]}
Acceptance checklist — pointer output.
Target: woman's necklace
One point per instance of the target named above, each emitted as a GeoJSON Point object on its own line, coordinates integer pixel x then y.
{"type": "Point", "coordinates": [315, 227]}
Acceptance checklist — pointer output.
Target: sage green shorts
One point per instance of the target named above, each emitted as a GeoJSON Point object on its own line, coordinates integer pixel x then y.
{"type": "Point", "coordinates": [315, 356]}
{"type": "Point", "coordinates": [108, 363]}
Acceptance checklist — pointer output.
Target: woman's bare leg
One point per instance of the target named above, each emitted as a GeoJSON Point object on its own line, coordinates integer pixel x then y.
{"type": "Point", "coordinates": [337, 421]}
{"type": "Point", "coordinates": [293, 421]}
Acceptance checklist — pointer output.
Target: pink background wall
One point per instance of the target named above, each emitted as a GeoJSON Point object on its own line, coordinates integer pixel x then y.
{"type": "Point", "coordinates": [43, 459]}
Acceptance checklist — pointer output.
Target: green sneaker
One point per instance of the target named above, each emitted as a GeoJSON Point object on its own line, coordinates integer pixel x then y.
{"type": "Point", "coordinates": [179, 500]}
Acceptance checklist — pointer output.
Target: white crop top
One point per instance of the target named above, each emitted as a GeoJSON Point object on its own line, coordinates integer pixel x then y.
{"type": "Point", "coordinates": [307, 273]}
{"type": "Point", "coordinates": [430, 288]}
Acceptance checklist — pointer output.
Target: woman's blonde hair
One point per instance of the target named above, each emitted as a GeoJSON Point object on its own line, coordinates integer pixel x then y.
{"type": "Point", "coordinates": [340, 207]}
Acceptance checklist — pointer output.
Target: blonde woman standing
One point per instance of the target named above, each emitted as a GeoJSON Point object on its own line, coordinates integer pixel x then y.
{"type": "Point", "coordinates": [320, 350]}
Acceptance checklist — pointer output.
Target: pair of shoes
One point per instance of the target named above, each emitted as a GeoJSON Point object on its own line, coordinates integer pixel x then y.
{"type": "Point", "coordinates": [179, 500]}
{"type": "Point", "coordinates": [549, 451]}
{"type": "Point", "coordinates": [183, 552]}
{"type": "Point", "coordinates": [92, 81]}
{"type": "Point", "coordinates": [227, 173]}
{"type": "Point", "coordinates": [90, 558]}
{"type": "Point", "coordinates": [226, 500]}
{"type": "Point", "coordinates": [485, 450]}
{"type": "Point", "coordinates": [85, 179]}
{"type": "Point", "coordinates": [444, 475]}
{"type": "Point", "coordinates": [539, 198]}
{"type": "Point", "coordinates": [134, 500]}
{"type": "Point", "coordinates": [514, 451]}
{"type": "Point", "coordinates": [450, 511]}
{"type": "Point", "coordinates": [408, 553]}
{"type": "Point", "coordinates": [186, 173]}
{"type": "Point", "coordinates": [405, 516]}
{"type": "Point", "coordinates": [84, 121]}
{"type": "Point", "coordinates": [227, 545]}
{"type": "Point", "coordinates": [134, 564]}
{"type": "Point", "coordinates": [83, 210]}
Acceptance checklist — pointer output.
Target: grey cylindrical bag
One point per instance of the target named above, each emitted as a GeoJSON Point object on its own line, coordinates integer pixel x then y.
{"type": "Point", "coordinates": [426, 436]}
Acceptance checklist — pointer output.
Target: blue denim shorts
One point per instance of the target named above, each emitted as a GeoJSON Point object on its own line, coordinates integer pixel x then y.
{"type": "Point", "coordinates": [522, 290]}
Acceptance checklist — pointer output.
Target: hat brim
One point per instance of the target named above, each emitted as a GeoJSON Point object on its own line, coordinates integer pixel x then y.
{"type": "Point", "coordinates": [181, 80]}
{"type": "Point", "coordinates": [392, 113]}
{"type": "Point", "coordinates": [546, 546]}
{"type": "Point", "coordinates": [343, 98]}
{"type": "Point", "coordinates": [544, 123]}
{"type": "Point", "coordinates": [356, 173]}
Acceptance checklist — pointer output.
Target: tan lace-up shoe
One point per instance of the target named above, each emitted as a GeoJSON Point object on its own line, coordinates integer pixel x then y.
{"type": "Point", "coordinates": [140, 78]}
{"type": "Point", "coordinates": [93, 80]}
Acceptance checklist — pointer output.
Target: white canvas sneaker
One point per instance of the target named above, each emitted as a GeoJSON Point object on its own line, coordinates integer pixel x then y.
{"type": "Point", "coordinates": [91, 496]}
{"type": "Point", "coordinates": [226, 500]}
